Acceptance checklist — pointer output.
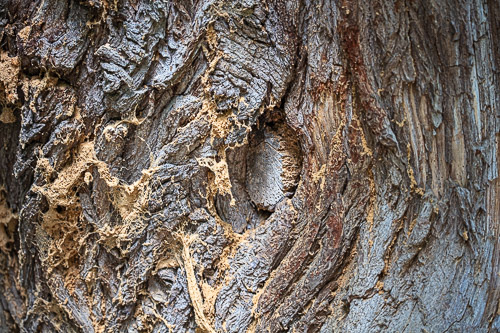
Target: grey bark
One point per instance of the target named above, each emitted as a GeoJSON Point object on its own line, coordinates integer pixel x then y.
{"type": "Point", "coordinates": [249, 166]}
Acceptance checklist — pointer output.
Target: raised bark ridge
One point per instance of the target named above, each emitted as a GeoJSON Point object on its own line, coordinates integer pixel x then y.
{"type": "Point", "coordinates": [233, 166]}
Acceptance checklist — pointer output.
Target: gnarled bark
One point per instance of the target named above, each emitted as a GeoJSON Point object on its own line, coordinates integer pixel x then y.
{"type": "Point", "coordinates": [260, 166]}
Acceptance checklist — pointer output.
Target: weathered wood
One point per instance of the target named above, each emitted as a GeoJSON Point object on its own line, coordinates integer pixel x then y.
{"type": "Point", "coordinates": [260, 166]}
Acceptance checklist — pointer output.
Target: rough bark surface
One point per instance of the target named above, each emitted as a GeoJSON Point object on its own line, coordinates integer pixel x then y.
{"type": "Point", "coordinates": [260, 166]}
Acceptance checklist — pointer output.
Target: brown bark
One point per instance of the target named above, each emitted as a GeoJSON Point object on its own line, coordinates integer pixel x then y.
{"type": "Point", "coordinates": [251, 166]}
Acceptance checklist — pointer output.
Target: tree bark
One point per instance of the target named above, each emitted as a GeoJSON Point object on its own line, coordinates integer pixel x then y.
{"type": "Point", "coordinates": [249, 166]}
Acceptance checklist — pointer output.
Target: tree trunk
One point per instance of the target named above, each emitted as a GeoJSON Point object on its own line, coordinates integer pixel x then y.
{"type": "Point", "coordinates": [249, 166]}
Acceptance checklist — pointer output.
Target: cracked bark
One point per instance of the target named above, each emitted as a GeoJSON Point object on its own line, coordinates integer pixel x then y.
{"type": "Point", "coordinates": [260, 166]}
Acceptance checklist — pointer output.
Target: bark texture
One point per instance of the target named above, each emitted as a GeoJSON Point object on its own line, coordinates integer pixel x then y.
{"type": "Point", "coordinates": [249, 166]}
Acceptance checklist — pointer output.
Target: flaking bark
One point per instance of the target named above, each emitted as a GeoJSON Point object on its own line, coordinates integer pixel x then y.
{"type": "Point", "coordinates": [249, 166]}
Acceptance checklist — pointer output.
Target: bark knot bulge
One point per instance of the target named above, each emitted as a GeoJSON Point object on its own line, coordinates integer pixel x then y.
{"type": "Point", "coordinates": [263, 172]}
{"type": "Point", "coordinates": [273, 164]}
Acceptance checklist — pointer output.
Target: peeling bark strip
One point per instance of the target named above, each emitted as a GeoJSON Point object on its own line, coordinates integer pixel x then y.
{"type": "Point", "coordinates": [249, 166]}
